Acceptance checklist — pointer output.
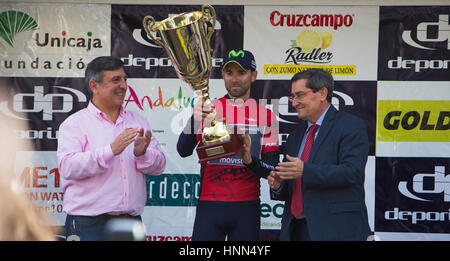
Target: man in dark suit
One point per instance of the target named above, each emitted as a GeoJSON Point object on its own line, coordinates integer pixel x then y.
{"type": "Point", "coordinates": [321, 178]}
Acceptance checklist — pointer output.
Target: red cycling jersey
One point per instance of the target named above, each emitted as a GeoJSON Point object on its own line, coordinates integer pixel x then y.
{"type": "Point", "coordinates": [228, 179]}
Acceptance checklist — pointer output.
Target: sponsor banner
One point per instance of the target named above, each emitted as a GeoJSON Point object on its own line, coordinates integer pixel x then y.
{"type": "Point", "coordinates": [48, 40]}
{"type": "Point", "coordinates": [271, 210]}
{"type": "Point", "coordinates": [173, 190]}
{"type": "Point", "coordinates": [414, 43]}
{"type": "Point", "coordinates": [183, 191]}
{"type": "Point", "coordinates": [355, 97]}
{"type": "Point", "coordinates": [43, 103]}
{"type": "Point", "coordinates": [413, 119]}
{"type": "Point", "coordinates": [39, 175]}
{"type": "Point", "coordinates": [290, 39]}
{"type": "Point", "coordinates": [144, 58]}
{"type": "Point", "coordinates": [412, 195]}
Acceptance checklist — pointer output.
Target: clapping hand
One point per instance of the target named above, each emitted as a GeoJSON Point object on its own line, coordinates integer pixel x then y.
{"type": "Point", "coordinates": [290, 169]}
{"type": "Point", "coordinates": [141, 143]}
{"type": "Point", "coordinates": [123, 140]}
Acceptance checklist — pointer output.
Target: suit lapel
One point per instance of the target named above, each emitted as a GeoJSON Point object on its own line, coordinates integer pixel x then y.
{"type": "Point", "coordinates": [324, 130]}
{"type": "Point", "coordinates": [296, 148]}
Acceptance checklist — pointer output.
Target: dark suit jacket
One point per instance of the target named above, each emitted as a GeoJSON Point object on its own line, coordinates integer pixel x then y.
{"type": "Point", "coordinates": [333, 180]}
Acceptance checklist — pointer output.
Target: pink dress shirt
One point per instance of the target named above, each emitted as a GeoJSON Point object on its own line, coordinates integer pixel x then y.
{"type": "Point", "coordinates": [94, 181]}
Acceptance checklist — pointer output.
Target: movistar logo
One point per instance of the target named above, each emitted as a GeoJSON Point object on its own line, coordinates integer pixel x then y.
{"type": "Point", "coordinates": [236, 54]}
{"type": "Point", "coordinates": [14, 22]}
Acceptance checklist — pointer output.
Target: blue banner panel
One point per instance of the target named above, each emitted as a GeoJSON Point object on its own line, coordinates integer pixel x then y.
{"type": "Point", "coordinates": [43, 103]}
{"type": "Point", "coordinates": [414, 43]}
{"type": "Point", "coordinates": [412, 195]}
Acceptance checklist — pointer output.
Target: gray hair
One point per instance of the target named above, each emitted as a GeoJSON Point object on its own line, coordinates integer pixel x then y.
{"type": "Point", "coordinates": [317, 79]}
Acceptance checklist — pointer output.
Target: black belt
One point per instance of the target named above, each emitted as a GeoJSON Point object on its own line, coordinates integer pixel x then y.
{"type": "Point", "coordinates": [109, 216]}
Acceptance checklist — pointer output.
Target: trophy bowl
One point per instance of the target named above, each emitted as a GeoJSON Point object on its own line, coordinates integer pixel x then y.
{"type": "Point", "coordinates": [186, 39]}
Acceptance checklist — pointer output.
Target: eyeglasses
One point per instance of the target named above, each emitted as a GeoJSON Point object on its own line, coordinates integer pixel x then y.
{"type": "Point", "coordinates": [298, 96]}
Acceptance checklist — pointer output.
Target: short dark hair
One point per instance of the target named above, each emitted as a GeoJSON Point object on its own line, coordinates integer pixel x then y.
{"type": "Point", "coordinates": [317, 79]}
{"type": "Point", "coordinates": [94, 70]}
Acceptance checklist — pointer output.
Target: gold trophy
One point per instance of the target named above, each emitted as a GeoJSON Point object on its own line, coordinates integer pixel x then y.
{"type": "Point", "coordinates": [186, 39]}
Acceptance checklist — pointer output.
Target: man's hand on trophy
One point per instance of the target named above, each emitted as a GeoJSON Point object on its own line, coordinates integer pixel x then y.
{"type": "Point", "coordinates": [202, 110]}
{"type": "Point", "coordinates": [244, 153]}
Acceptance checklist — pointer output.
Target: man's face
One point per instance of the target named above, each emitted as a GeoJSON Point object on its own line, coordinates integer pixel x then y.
{"type": "Point", "coordinates": [238, 81]}
{"type": "Point", "coordinates": [309, 104]}
{"type": "Point", "coordinates": [111, 90]}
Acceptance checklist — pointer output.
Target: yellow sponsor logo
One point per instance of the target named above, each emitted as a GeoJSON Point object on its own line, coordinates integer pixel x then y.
{"type": "Point", "coordinates": [309, 50]}
{"type": "Point", "coordinates": [413, 121]}
{"type": "Point", "coordinates": [293, 69]}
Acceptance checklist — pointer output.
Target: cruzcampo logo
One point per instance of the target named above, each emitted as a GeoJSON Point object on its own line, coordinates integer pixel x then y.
{"type": "Point", "coordinates": [14, 22]}
{"type": "Point", "coordinates": [233, 53]}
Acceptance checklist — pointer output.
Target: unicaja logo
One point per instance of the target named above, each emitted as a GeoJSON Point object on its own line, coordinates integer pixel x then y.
{"type": "Point", "coordinates": [88, 42]}
{"type": "Point", "coordinates": [15, 22]}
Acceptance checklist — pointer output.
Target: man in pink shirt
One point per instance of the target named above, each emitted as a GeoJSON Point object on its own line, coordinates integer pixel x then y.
{"type": "Point", "coordinates": [104, 152]}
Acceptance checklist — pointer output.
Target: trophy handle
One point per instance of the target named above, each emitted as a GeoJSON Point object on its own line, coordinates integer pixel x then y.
{"type": "Point", "coordinates": [209, 15]}
{"type": "Point", "coordinates": [149, 27]}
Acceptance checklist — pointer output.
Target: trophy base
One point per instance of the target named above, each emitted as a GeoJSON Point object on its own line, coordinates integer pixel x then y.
{"type": "Point", "coordinates": [219, 150]}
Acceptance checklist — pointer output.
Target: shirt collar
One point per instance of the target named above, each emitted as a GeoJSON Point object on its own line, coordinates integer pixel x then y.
{"type": "Point", "coordinates": [320, 120]}
{"type": "Point", "coordinates": [96, 111]}
{"type": "Point", "coordinates": [237, 102]}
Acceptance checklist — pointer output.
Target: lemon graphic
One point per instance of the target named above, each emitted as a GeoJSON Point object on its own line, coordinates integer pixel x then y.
{"type": "Point", "coordinates": [308, 40]}
{"type": "Point", "coordinates": [326, 39]}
